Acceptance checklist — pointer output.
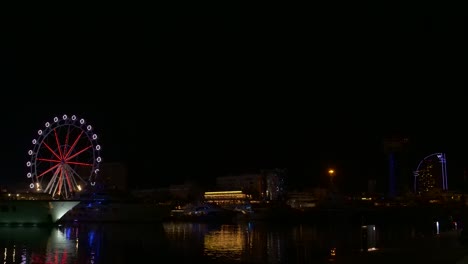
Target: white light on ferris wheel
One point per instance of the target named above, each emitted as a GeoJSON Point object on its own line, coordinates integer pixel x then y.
{"type": "Point", "coordinates": [94, 136]}
{"type": "Point", "coordinates": [89, 127]}
{"type": "Point", "coordinates": [28, 164]}
{"type": "Point", "coordinates": [96, 171]}
{"type": "Point", "coordinates": [31, 185]}
{"type": "Point", "coordinates": [82, 121]}
{"type": "Point", "coordinates": [30, 152]}
{"type": "Point", "coordinates": [73, 117]}
{"type": "Point", "coordinates": [29, 175]}
{"type": "Point", "coordinates": [34, 141]}
{"type": "Point", "coordinates": [47, 124]}
{"type": "Point", "coordinates": [98, 159]}
{"type": "Point", "coordinates": [98, 147]}
{"type": "Point", "coordinates": [55, 119]}
{"type": "Point", "coordinates": [64, 117]}
{"type": "Point", "coordinates": [39, 132]}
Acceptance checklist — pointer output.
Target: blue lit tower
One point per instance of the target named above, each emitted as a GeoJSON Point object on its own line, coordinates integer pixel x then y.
{"type": "Point", "coordinates": [393, 146]}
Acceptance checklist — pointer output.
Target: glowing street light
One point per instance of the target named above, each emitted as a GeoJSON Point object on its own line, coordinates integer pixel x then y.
{"type": "Point", "coordinates": [331, 173]}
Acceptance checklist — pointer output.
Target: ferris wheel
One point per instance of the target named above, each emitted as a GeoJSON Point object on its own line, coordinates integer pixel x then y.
{"type": "Point", "coordinates": [64, 158]}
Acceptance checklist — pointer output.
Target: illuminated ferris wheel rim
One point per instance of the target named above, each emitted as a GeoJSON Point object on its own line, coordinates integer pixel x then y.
{"type": "Point", "coordinates": [62, 161]}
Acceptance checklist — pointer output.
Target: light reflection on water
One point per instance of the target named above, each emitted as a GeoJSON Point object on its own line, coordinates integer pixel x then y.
{"type": "Point", "coordinates": [192, 242]}
{"type": "Point", "coordinates": [262, 243]}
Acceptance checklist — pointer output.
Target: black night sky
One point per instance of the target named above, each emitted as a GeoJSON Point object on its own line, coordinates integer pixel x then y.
{"type": "Point", "coordinates": [193, 94]}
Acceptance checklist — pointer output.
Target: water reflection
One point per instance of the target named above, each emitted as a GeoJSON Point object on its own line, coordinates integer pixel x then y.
{"type": "Point", "coordinates": [260, 243]}
{"type": "Point", "coordinates": [208, 243]}
{"type": "Point", "coordinates": [79, 244]}
{"type": "Point", "coordinates": [19, 243]}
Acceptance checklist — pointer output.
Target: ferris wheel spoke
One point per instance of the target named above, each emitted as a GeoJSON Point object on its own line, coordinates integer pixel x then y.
{"type": "Point", "coordinates": [60, 181]}
{"type": "Point", "coordinates": [74, 173]}
{"type": "Point", "coordinates": [55, 189]}
{"type": "Point", "coordinates": [51, 168]}
{"type": "Point", "coordinates": [53, 152]}
{"type": "Point", "coordinates": [70, 187]}
{"type": "Point", "coordinates": [68, 170]}
{"type": "Point", "coordinates": [50, 160]}
{"type": "Point", "coordinates": [77, 153]}
{"type": "Point", "coordinates": [74, 144]}
{"type": "Point", "coordinates": [80, 163]}
{"type": "Point", "coordinates": [66, 141]}
{"type": "Point", "coordinates": [58, 143]}
{"type": "Point", "coordinates": [52, 181]}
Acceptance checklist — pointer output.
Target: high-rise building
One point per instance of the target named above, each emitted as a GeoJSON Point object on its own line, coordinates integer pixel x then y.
{"type": "Point", "coordinates": [431, 174]}
{"type": "Point", "coordinates": [398, 170]}
{"type": "Point", "coordinates": [275, 186]}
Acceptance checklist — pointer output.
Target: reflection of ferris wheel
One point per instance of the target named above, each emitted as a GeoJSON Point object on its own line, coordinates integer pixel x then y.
{"type": "Point", "coordinates": [443, 161]}
{"type": "Point", "coordinates": [64, 158]}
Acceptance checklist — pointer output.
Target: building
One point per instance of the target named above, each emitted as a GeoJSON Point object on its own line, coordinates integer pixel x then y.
{"type": "Point", "coordinates": [399, 173]}
{"type": "Point", "coordinates": [431, 174]}
{"type": "Point", "coordinates": [275, 187]}
{"type": "Point", "coordinates": [266, 185]}
{"type": "Point", "coordinates": [371, 187]}
{"type": "Point", "coordinates": [227, 197]}
{"type": "Point", "coordinates": [252, 183]}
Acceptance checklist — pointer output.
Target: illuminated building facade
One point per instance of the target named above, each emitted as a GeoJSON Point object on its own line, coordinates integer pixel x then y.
{"type": "Point", "coordinates": [267, 185]}
{"type": "Point", "coordinates": [227, 197]}
{"type": "Point", "coordinates": [431, 174]}
{"type": "Point", "coordinates": [274, 184]}
{"type": "Point", "coordinates": [427, 180]}
{"type": "Point", "coordinates": [252, 184]}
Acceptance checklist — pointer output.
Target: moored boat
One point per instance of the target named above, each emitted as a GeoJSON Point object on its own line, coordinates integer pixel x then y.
{"type": "Point", "coordinates": [33, 212]}
{"type": "Point", "coordinates": [116, 207]}
{"type": "Point", "coordinates": [202, 212]}
{"type": "Point", "coordinates": [117, 211]}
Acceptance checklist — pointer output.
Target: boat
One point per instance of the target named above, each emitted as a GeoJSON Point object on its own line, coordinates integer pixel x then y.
{"type": "Point", "coordinates": [271, 212]}
{"type": "Point", "coordinates": [33, 212]}
{"type": "Point", "coordinates": [202, 212]}
{"type": "Point", "coordinates": [111, 208]}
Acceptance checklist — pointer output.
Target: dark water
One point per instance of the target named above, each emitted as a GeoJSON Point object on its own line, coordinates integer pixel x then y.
{"type": "Point", "coordinates": [214, 243]}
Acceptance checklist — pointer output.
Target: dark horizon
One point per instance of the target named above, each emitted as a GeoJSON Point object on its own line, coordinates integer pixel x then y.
{"type": "Point", "coordinates": [195, 96]}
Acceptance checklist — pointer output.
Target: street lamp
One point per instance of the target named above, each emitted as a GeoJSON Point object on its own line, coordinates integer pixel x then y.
{"type": "Point", "coordinates": [331, 173]}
